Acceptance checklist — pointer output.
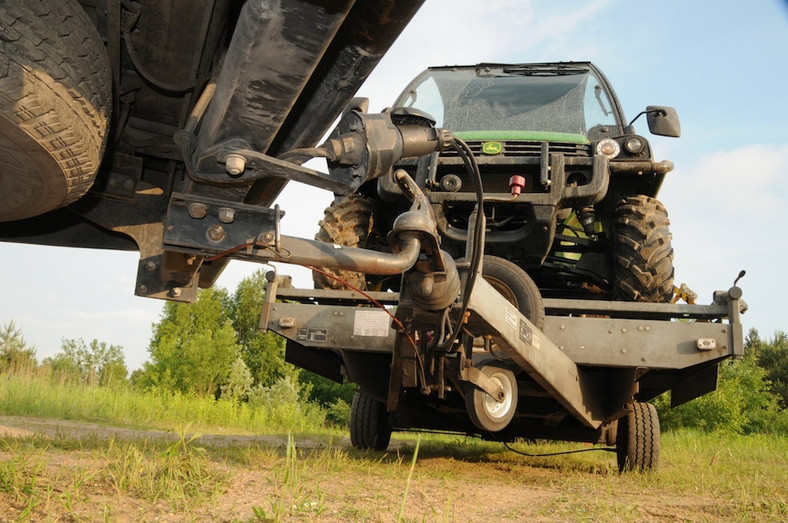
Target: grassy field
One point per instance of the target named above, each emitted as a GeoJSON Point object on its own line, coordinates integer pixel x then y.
{"type": "Point", "coordinates": [702, 478]}
{"type": "Point", "coordinates": [87, 472]}
{"type": "Point", "coordinates": [46, 398]}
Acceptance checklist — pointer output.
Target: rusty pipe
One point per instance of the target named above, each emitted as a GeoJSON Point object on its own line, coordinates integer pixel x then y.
{"type": "Point", "coordinates": [301, 251]}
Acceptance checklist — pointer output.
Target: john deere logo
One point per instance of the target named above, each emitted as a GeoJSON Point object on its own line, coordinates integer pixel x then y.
{"type": "Point", "coordinates": [492, 147]}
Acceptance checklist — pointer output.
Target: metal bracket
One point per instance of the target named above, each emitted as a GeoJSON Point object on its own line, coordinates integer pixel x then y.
{"type": "Point", "coordinates": [120, 180]}
{"type": "Point", "coordinates": [483, 382]}
{"type": "Point", "coordinates": [210, 166]}
{"type": "Point", "coordinates": [212, 225]}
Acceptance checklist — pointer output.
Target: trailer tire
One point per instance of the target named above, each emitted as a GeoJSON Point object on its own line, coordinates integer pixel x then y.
{"type": "Point", "coordinates": [642, 251]}
{"type": "Point", "coordinates": [55, 96]}
{"type": "Point", "coordinates": [514, 284]}
{"type": "Point", "coordinates": [369, 423]}
{"type": "Point", "coordinates": [638, 439]}
{"type": "Point", "coordinates": [486, 413]}
{"type": "Point", "coordinates": [349, 222]}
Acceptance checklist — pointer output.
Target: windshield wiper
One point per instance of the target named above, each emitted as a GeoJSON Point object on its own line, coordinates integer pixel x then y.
{"type": "Point", "coordinates": [542, 70]}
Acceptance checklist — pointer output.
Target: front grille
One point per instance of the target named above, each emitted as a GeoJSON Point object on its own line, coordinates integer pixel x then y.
{"type": "Point", "coordinates": [524, 148]}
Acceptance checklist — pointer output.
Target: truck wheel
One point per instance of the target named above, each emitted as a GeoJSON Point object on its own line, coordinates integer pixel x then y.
{"type": "Point", "coordinates": [485, 412]}
{"type": "Point", "coordinates": [348, 222]}
{"type": "Point", "coordinates": [369, 423]}
{"type": "Point", "coordinates": [642, 254]}
{"type": "Point", "coordinates": [637, 439]}
{"type": "Point", "coordinates": [55, 95]}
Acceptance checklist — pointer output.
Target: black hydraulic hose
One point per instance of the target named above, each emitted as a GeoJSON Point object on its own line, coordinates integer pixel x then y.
{"type": "Point", "coordinates": [478, 236]}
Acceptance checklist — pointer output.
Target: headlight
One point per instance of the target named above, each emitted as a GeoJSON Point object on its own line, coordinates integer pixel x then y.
{"type": "Point", "coordinates": [634, 145]}
{"type": "Point", "coordinates": [608, 147]}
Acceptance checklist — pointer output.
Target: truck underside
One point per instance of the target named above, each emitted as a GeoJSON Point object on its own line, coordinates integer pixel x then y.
{"type": "Point", "coordinates": [255, 76]}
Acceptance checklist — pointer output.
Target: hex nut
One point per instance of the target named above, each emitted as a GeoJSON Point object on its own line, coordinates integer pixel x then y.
{"type": "Point", "coordinates": [197, 210]}
{"type": "Point", "coordinates": [226, 215]}
{"type": "Point", "coordinates": [215, 233]}
{"type": "Point", "coordinates": [234, 164]}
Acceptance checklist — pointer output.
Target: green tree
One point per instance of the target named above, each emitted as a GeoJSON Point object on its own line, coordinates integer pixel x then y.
{"type": "Point", "coordinates": [193, 346]}
{"type": "Point", "coordinates": [773, 358]}
{"type": "Point", "coordinates": [742, 403]}
{"type": "Point", "coordinates": [96, 364]}
{"type": "Point", "coordinates": [15, 354]}
{"type": "Point", "coordinates": [239, 382]}
{"type": "Point", "coordinates": [326, 392]}
{"type": "Point", "coordinates": [263, 353]}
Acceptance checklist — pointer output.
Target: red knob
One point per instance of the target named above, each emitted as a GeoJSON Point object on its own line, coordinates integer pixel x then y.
{"type": "Point", "coordinates": [516, 184]}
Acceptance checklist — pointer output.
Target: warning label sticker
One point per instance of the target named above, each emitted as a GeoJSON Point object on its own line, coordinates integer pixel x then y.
{"type": "Point", "coordinates": [511, 317]}
{"type": "Point", "coordinates": [525, 333]}
{"type": "Point", "coordinates": [371, 322]}
{"type": "Point", "coordinates": [529, 336]}
{"type": "Point", "coordinates": [312, 335]}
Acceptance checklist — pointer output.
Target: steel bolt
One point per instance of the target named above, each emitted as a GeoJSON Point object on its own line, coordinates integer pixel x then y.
{"type": "Point", "coordinates": [235, 164]}
{"type": "Point", "coordinates": [226, 215]}
{"type": "Point", "coordinates": [198, 210]}
{"type": "Point", "coordinates": [215, 233]}
{"type": "Point", "coordinates": [142, 289]}
{"type": "Point", "coordinates": [268, 237]}
{"type": "Point", "coordinates": [174, 292]}
{"type": "Point", "coordinates": [150, 266]}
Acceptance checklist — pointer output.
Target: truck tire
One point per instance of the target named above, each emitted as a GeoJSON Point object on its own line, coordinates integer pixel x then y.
{"type": "Point", "coordinates": [55, 96]}
{"type": "Point", "coordinates": [348, 222]}
{"type": "Point", "coordinates": [369, 423]}
{"type": "Point", "coordinates": [637, 439]}
{"type": "Point", "coordinates": [642, 252]}
{"type": "Point", "coordinates": [486, 413]}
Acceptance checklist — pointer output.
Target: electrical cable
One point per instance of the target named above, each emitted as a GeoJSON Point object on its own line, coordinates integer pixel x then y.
{"type": "Point", "coordinates": [595, 449]}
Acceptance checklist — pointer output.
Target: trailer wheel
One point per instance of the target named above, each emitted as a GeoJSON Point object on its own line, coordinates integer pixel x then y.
{"type": "Point", "coordinates": [516, 286]}
{"type": "Point", "coordinates": [55, 96]}
{"type": "Point", "coordinates": [642, 252]}
{"type": "Point", "coordinates": [369, 423]}
{"type": "Point", "coordinates": [487, 413]}
{"type": "Point", "coordinates": [349, 222]}
{"type": "Point", "coordinates": [637, 439]}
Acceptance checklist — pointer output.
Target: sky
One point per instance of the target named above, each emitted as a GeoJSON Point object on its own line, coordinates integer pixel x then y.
{"type": "Point", "coordinates": [722, 64]}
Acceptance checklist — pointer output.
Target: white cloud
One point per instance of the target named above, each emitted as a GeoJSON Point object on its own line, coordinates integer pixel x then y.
{"type": "Point", "coordinates": [748, 184]}
{"type": "Point", "coordinates": [726, 212]}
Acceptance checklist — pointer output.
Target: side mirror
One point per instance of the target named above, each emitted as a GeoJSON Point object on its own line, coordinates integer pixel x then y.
{"type": "Point", "coordinates": [663, 121]}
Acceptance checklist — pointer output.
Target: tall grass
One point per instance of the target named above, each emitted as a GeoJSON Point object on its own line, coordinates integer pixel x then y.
{"type": "Point", "coordinates": [39, 396]}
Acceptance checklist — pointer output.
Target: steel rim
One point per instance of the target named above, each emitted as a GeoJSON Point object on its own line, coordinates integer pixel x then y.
{"type": "Point", "coordinates": [494, 409]}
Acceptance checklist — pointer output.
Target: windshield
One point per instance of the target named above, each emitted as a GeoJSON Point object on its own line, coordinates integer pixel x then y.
{"type": "Point", "coordinates": [569, 101]}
